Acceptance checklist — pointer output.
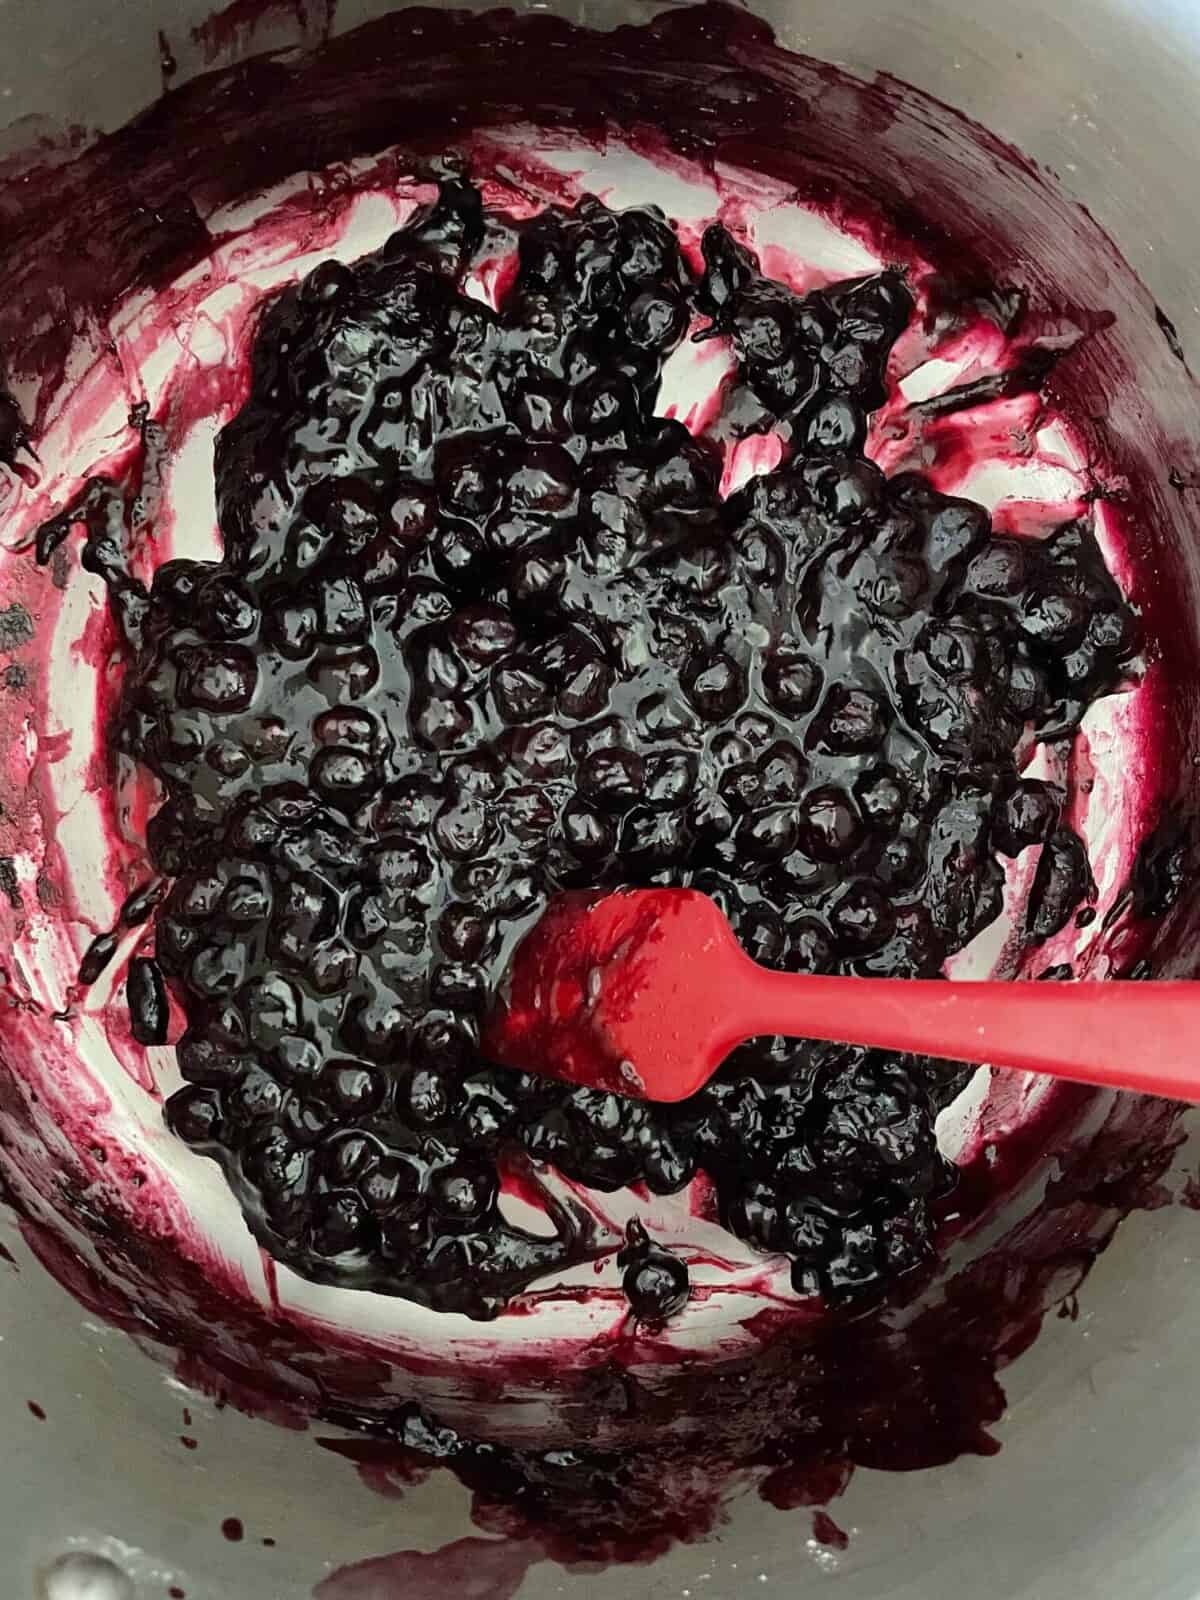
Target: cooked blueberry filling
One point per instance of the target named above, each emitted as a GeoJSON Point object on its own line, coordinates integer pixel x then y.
{"type": "Point", "coordinates": [485, 630]}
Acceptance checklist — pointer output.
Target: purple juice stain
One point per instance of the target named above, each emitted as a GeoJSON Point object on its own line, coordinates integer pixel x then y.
{"type": "Point", "coordinates": [495, 1568]}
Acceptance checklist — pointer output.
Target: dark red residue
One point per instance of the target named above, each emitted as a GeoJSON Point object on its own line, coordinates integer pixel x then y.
{"type": "Point", "coordinates": [382, 1466]}
{"type": "Point", "coordinates": [233, 1530]}
{"type": "Point", "coordinates": [167, 63]}
{"type": "Point", "coordinates": [810, 1485]}
{"type": "Point", "coordinates": [35, 1410]}
{"type": "Point", "coordinates": [827, 1532]}
{"type": "Point", "coordinates": [490, 1569]}
{"type": "Point", "coordinates": [233, 27]}
{"type": "Point", "coordinates": [186, 1442]}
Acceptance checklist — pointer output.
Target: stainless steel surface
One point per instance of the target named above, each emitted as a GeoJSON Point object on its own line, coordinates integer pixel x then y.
{"type": "Point", "coordinates": [1095, 1488]}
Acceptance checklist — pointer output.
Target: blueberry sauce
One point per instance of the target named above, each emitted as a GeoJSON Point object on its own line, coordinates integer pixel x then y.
{"type": "Point", "coordinates": [485, 630]}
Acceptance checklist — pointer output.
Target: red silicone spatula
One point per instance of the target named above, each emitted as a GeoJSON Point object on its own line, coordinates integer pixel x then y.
{"type": "Point", "coordinates": [647, 991]}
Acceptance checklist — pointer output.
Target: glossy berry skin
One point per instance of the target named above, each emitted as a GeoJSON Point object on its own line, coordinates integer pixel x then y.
{"type": "Point", "coordinates": [484, 630]}
{"type": "Point", "coordinates": [147, 994]}
{"type": "Point", "coordinates": [655, 1280]}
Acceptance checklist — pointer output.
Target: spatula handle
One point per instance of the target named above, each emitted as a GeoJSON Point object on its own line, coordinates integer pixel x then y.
{"type": "Point", "coordinates": [1143, 1036]}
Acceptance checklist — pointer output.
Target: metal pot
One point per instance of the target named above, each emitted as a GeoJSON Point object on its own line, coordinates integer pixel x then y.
{"type": "Point", "coordinates": [123, 1482]}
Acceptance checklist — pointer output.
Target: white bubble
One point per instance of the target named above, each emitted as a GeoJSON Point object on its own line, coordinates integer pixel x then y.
{"type": "Point", "coordinates": [80, 1576]}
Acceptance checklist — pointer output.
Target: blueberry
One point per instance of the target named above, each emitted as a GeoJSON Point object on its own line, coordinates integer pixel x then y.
{"type": "Point", "coordinates": [830, 827]}
{"type": "Point", "coordinates": [295, 1059]}
{"type": "Point", "coordinates": [860, 916]}
{"type": "Point", "coordinates": [378, 1025]}
{"type": "Point", "coordinates": [339, 1224]}
{"type": "Point", "coordinates": [1112, 629]}
{"type": "Point", "coordinates": [257, 1098]}
{"type": "Point", "coordinates": [483, 633]}
{"type": "Point", "coordinates": [352, 1088]}
{"type": "Point", "coordinates": [651, 841]}
{"type": "Point", "coordinates": [808, 1231]}
{"type": "Point", "coordinates": [177, 585]}
{"type": "Point", "coordinates": [217, 970]}
{"type": "Point", "coordinates": [588, 834]}
{"type": "Point", "coordinates": [1053, 618]}
{"type": "Point", "coordinates": [585, 694]}
{"type": "Point", "coordinates": [345, 1158]}
{"type": "Point", "coordinates": [544, 480]}
{"type": "Point", "coordinates": [463, 1192]}
{"type": "Point", "coordinates": [1027, 815]}
{"type": "Point", "coordinates": [656, 319]}
{"type": "Point", "coordinates": [521, 695]}
{"type": "Point", "coordinates": [398, 862]}
{"type": "Point", "coordinates": [392, 1181]}
{"type": "Point", "coordinates": [999, 570]}
{"type": "Point", "coordinates": [850, 721]}
{"type": "Point", "coordinates": [97, 956]}
{"type": "Point", "coordinates": [441, 722]}
{"type": "Point", "coordinates": [330, 968]}
{"type": "Point", "coordinates": [603, 407]}
{"type": "Point", "coordinates": [957, 532]}
{"type": "Point", "coordinates": [327, 283]}
{"type": "Point", "coordinates": [766, 835]}
{"type": "Point", "coordinates": [792, 682]}
{"type": "Point", "coordinates": [346, 725]}
{"type": "Point", "coordinates": [761, 934]}
{"type": "Point", "coordinates": [343, 777]}
{"type": "Point", "coordinates": [881, 796]}
{"type": "Point", "coordinates": [226, 609]}
{"type": "Point", "coordinates": [463, 932]}
{"type": "Point", "coordinates": [293, 628]}
{"type": "Point", "coordinates": [835, 424]}
{"type": "Point", "coordinates": [846, 487]}
{"type": "Point", "coordinates": [427, 1094]}
{"type": "Point", "coordinates": [656, 1284]}
{"type": "Point", "coordinates": [715, 687]}
{"type": "Point", "coordinates": [467, 484]}
{"type": "Point", "coordinates": [274, 1163]}
{"type": "Point", "coordinates": [411, 514]}
{"type": "Point", "coordinates": [194, 1114]}
{"type": "Point", "coordinates": [782, 771]}
{"type": "Point", "coordinates": [669, 778]}
{"type": "Point", "coordinates": [1063, 878]}
{"type": "Point", "coordinates": [341, 610]}
{"type": "Point", "coordinates": [272, 1009]}
{"type": "Point", "coordinates": [345, 674]}
{"type": "Point", "coordinates": [612, 779]}
{"type": "Point", "coordinates": [218, 680]}
{"type": "Point", "coordinates": [664, 715]}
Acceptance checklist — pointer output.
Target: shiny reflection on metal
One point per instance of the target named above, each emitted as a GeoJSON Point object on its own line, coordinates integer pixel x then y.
{"type": "Point", "coordinates": [83, 1576]}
